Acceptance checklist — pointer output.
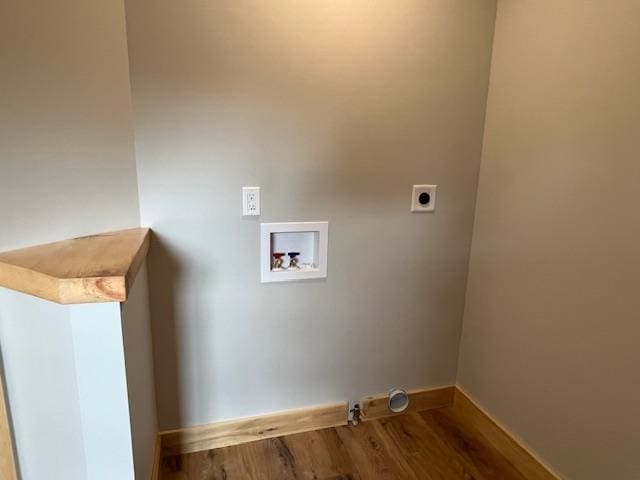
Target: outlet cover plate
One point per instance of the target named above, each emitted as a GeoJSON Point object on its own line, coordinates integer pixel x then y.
{"type": "Point", "coordinates": [250, 201]}
{"type": "Point", "coordinates": [423, 198]}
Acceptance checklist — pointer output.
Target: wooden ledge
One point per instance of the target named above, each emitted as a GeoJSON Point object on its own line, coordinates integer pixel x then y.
{"type": "Point", "coordinates": [97, 268]}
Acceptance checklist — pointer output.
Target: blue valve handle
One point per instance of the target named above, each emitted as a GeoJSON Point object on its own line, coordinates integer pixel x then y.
{"type": "Point", "coordinates": [293, 254]}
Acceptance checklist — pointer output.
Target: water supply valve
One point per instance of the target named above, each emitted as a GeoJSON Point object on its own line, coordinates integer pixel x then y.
{"type": "Point", "coordinates": [277, 260]}
{"type": "Point", "coordinates": [293, 259]}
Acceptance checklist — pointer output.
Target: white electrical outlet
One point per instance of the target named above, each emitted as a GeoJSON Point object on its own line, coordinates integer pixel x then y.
{"type": "Point", "coordinates": [250, 201]}
{"type": "Point", "coordinates": [423, 198]}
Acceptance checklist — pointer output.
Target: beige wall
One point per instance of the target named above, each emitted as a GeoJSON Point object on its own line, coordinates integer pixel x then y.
{"type": "Point", "coordinates": [551, 331]}
{"type": "Point", "coordinates": [335, 109]}
{"type": "Point", "coordinates": [67, 168]}
{"type": "Point", "coordinates": [67, 163]}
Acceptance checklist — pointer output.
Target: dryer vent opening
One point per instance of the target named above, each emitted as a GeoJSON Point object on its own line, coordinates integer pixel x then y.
{"type": "Point", "coordinates": [398, 400]}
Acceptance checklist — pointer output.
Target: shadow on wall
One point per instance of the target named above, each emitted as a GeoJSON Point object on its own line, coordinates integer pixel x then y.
{"type": "Point", "coordinates": [164, 277]}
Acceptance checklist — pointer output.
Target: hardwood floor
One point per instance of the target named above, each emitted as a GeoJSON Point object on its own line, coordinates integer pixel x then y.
{"type": "Point", "coordinates": [429, 445]}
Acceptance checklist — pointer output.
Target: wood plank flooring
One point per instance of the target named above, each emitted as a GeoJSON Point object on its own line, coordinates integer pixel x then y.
{"type": "Point", "coordinates": [429, 445]}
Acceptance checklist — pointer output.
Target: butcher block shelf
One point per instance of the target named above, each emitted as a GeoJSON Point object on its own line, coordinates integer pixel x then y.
{"type": "Point", "coordinates": [97, 268]}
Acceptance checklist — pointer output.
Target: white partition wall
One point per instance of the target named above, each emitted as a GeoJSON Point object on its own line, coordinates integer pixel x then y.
{"type": "Point", "coordinates": [41, 389]}
{"type": "Point", "coordinates": [138, 354]}
{"type": "Point", "coordinates": [102, 390]}
{"type": "Point", "coordinates": [81, 391]}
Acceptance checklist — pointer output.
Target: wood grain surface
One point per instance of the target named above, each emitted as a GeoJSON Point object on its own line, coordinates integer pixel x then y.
{"type": "Point", "coordinates": [375, 407]}
{"type": "Point", "coordinates": [455, 442]}
{"type": "Point", "coordinates": [97, 268]}
{"type": "Point", "coordinates": [503, 441]}
{"type": "Point", "coordinates": [430, 445]}
{"type": "Point", "coordinates": [7, 460]}
{"type": "Point", "coordinates": [244, 430]}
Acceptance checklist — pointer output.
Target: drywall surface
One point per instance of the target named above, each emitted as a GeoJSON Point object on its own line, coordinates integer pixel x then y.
{"type": "Point", "coordinates": [67, 162]}
{"type": "Point", "coordinates": [38, 356]}
{"type": "Point", "coordinates": [67, 389]}
{"type": "Point", "coordinates": [335, 109]}
{"type": "Point", "coordinates": [551, 329]}
{"type": "Point", "coordinates": [96, 330]}
{"type": "Point", "coordinates": [138, 351]}
{"type": "Point", "coordinates": [67, 168]}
